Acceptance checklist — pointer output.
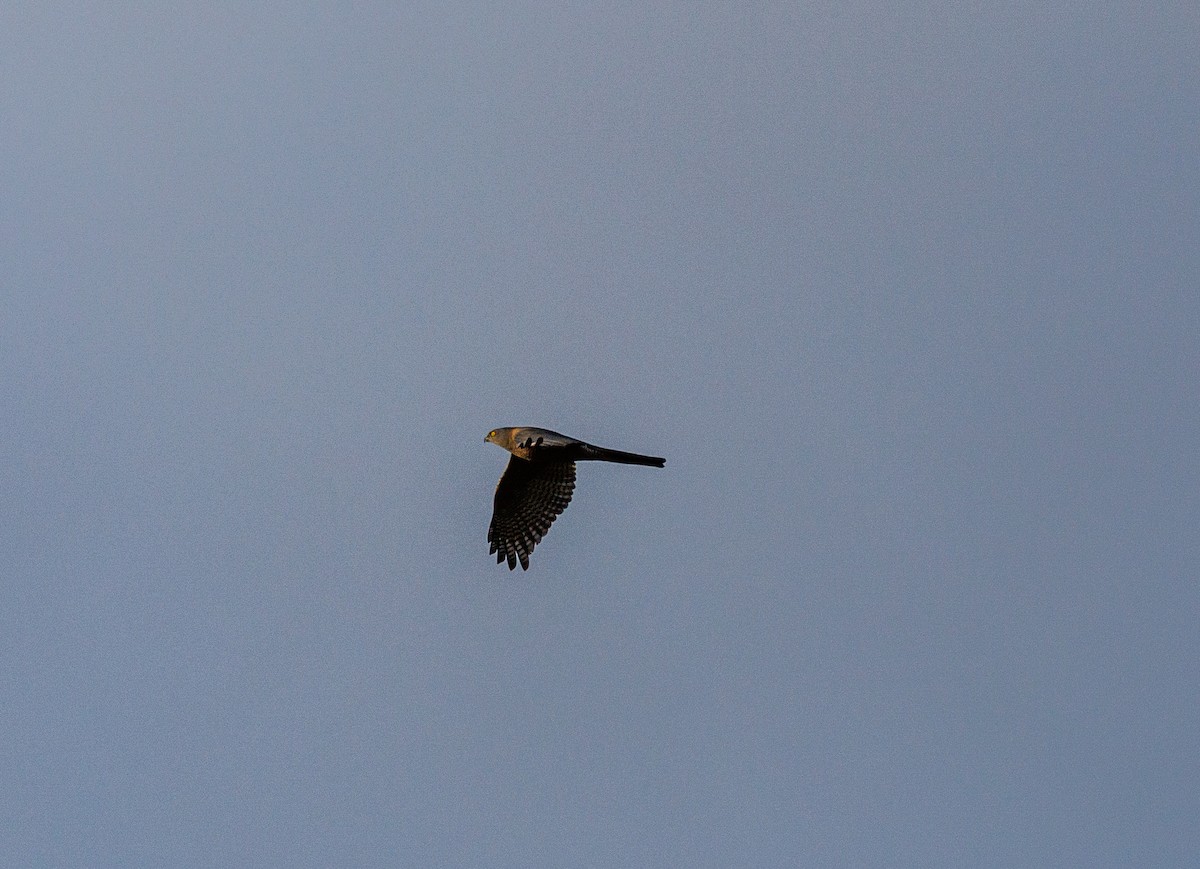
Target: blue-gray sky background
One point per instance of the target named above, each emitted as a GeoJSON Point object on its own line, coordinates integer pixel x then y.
{"type": "Point", "coordinates": [907, 294]}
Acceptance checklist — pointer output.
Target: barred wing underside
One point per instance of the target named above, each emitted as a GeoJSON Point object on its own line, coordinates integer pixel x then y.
{"type": "Point", "coordinates": [529, 497]}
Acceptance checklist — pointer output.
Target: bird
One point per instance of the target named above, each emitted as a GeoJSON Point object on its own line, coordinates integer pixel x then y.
{"type": "Point", "coordinates": [537, 486]}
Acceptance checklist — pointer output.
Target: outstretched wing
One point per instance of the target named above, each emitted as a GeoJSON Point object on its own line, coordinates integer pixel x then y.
{"type": "Point", "coordinates": [530, 495]}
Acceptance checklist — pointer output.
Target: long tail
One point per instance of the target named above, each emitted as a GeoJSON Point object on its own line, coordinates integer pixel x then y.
{"type": "Point", "coordinates": [600, 454]}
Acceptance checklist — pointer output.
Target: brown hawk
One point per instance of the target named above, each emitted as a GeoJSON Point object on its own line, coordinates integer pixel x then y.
{"type": "Point", "coordinates": [537, 485]}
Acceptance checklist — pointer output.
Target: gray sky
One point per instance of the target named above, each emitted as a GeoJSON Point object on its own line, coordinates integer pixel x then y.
{"type": "Point", "coordinates": [907, 294]}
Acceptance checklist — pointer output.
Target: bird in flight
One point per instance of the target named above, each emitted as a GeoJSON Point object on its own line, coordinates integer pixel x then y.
{"type": "Point", "coordinates": [537, 485]}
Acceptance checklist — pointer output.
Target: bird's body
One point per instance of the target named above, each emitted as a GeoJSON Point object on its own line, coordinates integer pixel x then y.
{"type": "Point", "coordinates": [537, 485]}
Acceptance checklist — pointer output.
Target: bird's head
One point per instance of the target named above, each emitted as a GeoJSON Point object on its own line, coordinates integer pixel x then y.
{"type": "Point", "coordinates": [499, 437]}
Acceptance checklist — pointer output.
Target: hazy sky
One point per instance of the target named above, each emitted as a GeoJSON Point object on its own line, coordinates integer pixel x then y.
{"type": "Point", "coordinates": [907, 294]}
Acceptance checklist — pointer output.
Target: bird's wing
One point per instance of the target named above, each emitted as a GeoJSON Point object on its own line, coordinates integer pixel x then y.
{"type": "Point", "coordinates": [529, 497]}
